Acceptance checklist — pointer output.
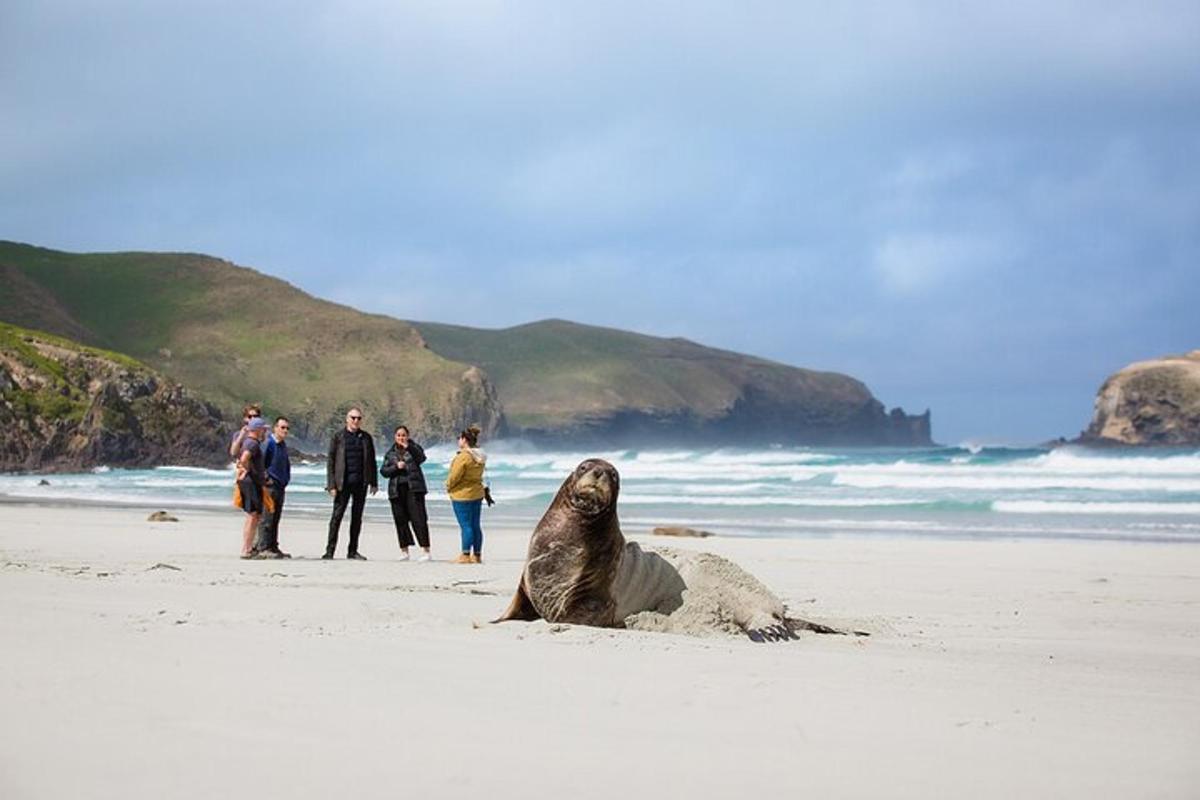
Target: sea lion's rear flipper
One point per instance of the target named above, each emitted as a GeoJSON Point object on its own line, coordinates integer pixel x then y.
{"type": "Point", "coordinates": [794, 624]}
{"type": "Point", "coordinates": [774, 633]}
{"type": "Point", "coordinates": [521, 607]}
{"type": "Point", "coordinates": [785, 630]}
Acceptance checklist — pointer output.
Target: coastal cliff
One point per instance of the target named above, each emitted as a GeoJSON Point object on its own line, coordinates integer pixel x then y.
{"type": "Point", "coordinates": [233, 335]}
{"type": "Point", "coordinates": [562, 383]}
{"type": "Point", "coordinates": [1154, 402]}
{"type": "Point", "coordinates": [65, 407]}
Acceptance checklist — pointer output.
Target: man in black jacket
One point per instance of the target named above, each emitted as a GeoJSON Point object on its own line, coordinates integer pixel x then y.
{"type": "Point", "coordinates": [349, 472]}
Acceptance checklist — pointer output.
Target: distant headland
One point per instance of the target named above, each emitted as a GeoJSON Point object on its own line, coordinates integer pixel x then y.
{"type": "Point", "coordinates": [231, 334]}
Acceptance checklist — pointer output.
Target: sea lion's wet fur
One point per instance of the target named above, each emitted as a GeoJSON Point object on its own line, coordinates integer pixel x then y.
{"type": "Point", "coordinates": [574, 553]}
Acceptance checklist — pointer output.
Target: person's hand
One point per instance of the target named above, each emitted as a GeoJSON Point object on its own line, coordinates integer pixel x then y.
{"type": "Point", "coordinates": [332, 492]}
{"type": "Point", "coordinates": [374, 489]}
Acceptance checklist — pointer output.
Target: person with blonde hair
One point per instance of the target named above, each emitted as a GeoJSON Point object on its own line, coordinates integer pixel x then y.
{"type": "Point", "coordinates": [465, 485]}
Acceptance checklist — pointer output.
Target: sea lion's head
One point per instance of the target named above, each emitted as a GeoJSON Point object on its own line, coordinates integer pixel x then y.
{"type": "Point", "coordinates": [594, 487]}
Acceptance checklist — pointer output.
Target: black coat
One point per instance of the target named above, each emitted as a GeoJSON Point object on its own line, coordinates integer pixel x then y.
{"type": "Point", "coordinates": [335, 467]}
{"type": "Point", "coordinates": [411, 475]}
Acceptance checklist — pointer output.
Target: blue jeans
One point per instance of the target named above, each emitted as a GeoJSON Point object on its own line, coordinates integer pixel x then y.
{"type": "Point", "coordinates": [467, 513]}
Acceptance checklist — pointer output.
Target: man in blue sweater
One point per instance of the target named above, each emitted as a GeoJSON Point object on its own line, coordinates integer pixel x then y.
{"type": "Point", "coordinates": [279, 474]}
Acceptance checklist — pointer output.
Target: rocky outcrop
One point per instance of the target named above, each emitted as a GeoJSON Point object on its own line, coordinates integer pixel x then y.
{"type": "Point", "coordinates": [204, 323]}
{"type": "Point", "coordinates": [1149, 403]}
{"type": "Point", "coordinates": [66, 407]}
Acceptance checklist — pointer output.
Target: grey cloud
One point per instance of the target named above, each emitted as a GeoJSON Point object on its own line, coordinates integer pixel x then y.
{"type": "Point", "coordinates": [951, 201]}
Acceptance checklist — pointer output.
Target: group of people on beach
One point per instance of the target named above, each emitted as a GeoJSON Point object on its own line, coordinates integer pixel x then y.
{"type": "Point", "coordinates": [263, 471]}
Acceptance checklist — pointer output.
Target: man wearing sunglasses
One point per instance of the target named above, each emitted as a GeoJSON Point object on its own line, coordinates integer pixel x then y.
{"type": "Point", "coordinates": [349, 472]}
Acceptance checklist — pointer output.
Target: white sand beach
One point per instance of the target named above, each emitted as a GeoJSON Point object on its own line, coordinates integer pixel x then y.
{"type": "Point", "coordinates": [146, 660]}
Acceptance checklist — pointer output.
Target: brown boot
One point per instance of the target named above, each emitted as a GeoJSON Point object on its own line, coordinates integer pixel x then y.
{"type": "Point", "coordinates": [463, 558]}
{"type": "Point", "coordinates": [476, 558]}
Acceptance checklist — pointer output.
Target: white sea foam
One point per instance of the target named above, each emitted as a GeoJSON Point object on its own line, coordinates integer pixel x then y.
{"type": "Point", "coordinates": [977, 491]}
{"type": "Point", "coordinates": [710, 500]}
{"type": "Point", "coordinates": [1090, 462]}
{"type": "Point", "coordinates": [996, 481]}
{"type": "Point", "coordinates": [1063, 507]}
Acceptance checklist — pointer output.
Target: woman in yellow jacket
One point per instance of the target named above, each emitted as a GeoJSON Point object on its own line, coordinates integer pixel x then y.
{"type": "Point", "coordinates": [465, 485]}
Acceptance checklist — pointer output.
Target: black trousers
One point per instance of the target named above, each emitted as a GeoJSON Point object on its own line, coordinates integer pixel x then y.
{"type": "Point", "coordinates": [268, 528]}
{"type": "Point", "coordinates": [408, 508]}
{"type": "Point", "coordinates": [343, 498]}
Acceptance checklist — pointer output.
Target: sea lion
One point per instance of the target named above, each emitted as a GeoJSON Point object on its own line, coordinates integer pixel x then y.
{"type": "Point", "coordinates": [580, 570]}
{"type": "Point", "coordinates": [574, 553]}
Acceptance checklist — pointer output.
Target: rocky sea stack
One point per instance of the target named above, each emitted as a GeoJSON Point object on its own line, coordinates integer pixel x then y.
{"type": "Point", "coordinates": [1153, 402]}
{"type": "Point", "coordinates": [67, 407]}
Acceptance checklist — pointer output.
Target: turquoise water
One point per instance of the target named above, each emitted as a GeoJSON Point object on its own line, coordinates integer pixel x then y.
{"type": "Point", "coordinates": [943, 492]}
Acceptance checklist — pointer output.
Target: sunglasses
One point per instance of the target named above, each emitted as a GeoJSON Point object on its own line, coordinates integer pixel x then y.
{"type": "Point", "coordinates": [354, 417]}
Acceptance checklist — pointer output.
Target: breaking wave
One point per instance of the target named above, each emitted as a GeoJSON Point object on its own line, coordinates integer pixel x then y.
{"type": "Point", "coordinates": [973, 490]}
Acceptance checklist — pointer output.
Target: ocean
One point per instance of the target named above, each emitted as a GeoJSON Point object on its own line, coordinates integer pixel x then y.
{"type": "Point", "coordinates": [944, 492]}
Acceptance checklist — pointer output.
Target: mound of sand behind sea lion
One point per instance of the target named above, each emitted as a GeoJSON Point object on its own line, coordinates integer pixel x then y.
{"type": "Point", "coordinates": [699, 594]}
{"type": "Point", "coordinates": [579, 569]}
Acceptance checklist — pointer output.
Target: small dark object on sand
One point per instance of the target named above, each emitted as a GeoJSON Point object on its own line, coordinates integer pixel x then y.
{"type": "Point", "coordinates": [677, 531]}
{"type": "Point", "coordinates": [43, 482]}
{"type": "Point", "coordinates": [161, 516]}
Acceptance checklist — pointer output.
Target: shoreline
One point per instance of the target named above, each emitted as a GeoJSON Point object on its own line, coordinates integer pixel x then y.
{"type": "Point", "coordinates": [377, 513]}
{"type": "Point", "coordinates": [148, 658]}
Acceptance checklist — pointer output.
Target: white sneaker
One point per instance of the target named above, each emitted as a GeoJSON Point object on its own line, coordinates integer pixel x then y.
{"type": "Point", "coordinates": [425, 557]}
{"type": "Point", "coordinates": [403, 556]}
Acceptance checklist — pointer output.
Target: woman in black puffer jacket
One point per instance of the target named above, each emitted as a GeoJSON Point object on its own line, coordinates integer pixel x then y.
{"type": "Point", "coordinates": [406, 492]}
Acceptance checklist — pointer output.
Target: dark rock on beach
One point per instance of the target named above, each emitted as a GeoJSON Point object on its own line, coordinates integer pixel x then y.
{"type": "Point", "coordinates": [668, 530]}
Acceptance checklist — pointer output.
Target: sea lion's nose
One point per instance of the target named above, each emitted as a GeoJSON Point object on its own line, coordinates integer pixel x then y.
{"type": "Point", "coordinates": [597, 473]}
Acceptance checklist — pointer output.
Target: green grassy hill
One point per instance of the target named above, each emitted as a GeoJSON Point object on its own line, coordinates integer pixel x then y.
{"type": "Point", "coordinates": [561, 380]}
{"type": "Point", "coordinates": [236, 335]}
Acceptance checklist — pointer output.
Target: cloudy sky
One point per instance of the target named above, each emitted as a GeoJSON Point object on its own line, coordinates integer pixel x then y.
{"type": "Point", "coordinates": [983, 208]}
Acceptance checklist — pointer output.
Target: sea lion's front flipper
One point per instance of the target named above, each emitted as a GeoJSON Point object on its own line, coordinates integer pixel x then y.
{"type": "Point", "coordinates": [521, 607]}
